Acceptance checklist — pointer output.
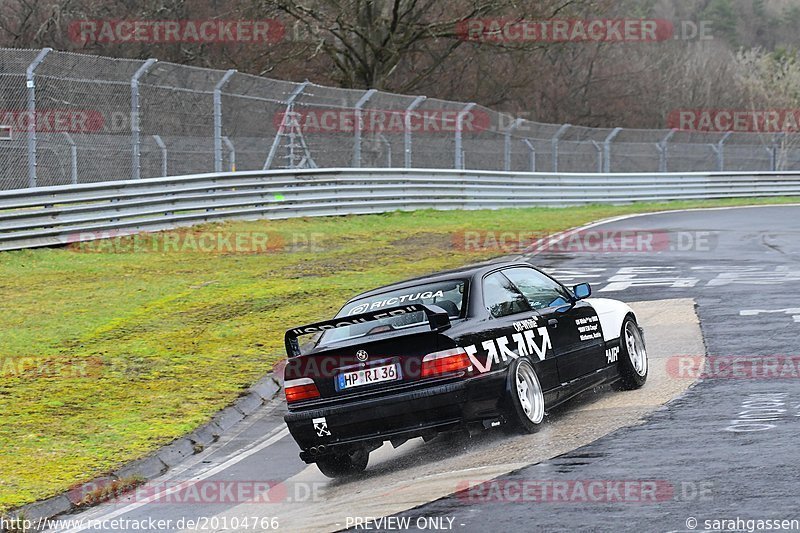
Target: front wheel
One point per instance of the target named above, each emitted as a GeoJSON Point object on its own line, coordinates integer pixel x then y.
{"type": "Point", "coordinates": [633, 356]}
{"type": "Point", "coordinates": [346, 464]}
{"type": "Point", "coordinates": [525, 397]}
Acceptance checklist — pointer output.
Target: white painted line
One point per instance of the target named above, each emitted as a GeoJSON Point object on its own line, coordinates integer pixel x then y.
{"type": "Point", "coordinates": [200, 477]}
{"type": "Point", "coordinates": [794, 311]}
{"type": "Point", "coordinates": [222, 444]}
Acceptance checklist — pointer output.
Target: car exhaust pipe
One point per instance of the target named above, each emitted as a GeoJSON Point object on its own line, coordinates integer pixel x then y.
{"type": "Point", "coordinates": [318, 450]}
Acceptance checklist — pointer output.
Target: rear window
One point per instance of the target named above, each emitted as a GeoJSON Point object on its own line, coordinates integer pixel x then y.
{"type": "Point", "coordinates": [449, 295]}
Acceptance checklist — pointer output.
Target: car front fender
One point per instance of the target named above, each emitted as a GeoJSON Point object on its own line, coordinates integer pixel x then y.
{"type": "Point", "coordinates": [612, 314]}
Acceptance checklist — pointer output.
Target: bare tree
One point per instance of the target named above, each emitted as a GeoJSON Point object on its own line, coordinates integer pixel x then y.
{"type": "Point", "coordinates": [420, 46]}
{"type": "Point", "coordinates": [771, 83]}
{"type": "Point", "coordinates": [398, 44]}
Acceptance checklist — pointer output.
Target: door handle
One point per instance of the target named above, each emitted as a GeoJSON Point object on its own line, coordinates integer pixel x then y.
{"type": "Point", "coordinates": [553, 322]}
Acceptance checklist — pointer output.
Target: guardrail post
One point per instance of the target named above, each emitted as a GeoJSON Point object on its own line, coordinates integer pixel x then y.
{"type": "Point", "coordinates": [357, 127]}
{"type": "Point", "coordinates": [31, 85]}
{"type": "Point", "coordinates": [289, 107]}
{"type": "Point", "coordinates": [507, 143]}
{"type": "Point", "coordinates": [163, 147]}
{"type": "Point", "coordinates": [718, 149]}
{"type": "Point", "coordinates": [407, 129]}
{"type": "Point", "coordinates": [607, 149]}
{"type": "Point", "coordinates": [73, 157]}
{"type": "Point", "coordinates": [554, 144]}
{"type": "Point", "coordinates": [532, 150]}
{"type": "Point", "coordinates": [458, 162]}
{"type": "Point", "coordinates": [661, 146]}
{"type": "Point", "coordinates": [136, 171]}
{"type": "Point", "coordinates": [218, 119]}
{"type": "Point", "coordinates": [231, 152]}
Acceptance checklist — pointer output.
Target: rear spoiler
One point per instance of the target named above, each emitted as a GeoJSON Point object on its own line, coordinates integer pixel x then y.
{"type": "Point", "coordinates": [437, 318]}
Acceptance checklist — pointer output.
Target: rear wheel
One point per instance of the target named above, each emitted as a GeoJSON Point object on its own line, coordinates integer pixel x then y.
{"type": "Point", "coordinates": [345, 464]}
{"type": "Point", "coordinates": [525, 396]}
{"type": "Point", "coordinates": [633, 356]}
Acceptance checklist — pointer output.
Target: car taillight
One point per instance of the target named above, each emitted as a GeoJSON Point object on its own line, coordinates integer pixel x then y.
{"type": "Point", "coordinates": [300, 389]}
{"type": "Point", "coordinates": [445, 362]}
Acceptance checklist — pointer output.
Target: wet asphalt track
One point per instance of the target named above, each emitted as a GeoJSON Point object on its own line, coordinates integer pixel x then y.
{"type": "Point", "coordinates": [729, 261]}
{"type": "Point", "coordinates": [691, 447]}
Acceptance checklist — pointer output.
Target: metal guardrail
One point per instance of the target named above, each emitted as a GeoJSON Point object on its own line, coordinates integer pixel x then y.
{"type": "Point", "coordinates": [47, 216]}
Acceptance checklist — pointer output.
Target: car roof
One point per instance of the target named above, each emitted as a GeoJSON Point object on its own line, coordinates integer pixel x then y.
{"type": "Point", "coordinates": [467, 272]}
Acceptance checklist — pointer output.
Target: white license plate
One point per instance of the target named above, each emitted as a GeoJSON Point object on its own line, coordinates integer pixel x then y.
{"type": "Point", "coordinates": [367, 376]}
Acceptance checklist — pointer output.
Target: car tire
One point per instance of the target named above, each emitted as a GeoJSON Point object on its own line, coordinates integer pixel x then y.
{"type": "Point", "coordinates": [525, 398]}
{"type": "Point", "coordinates": [342, 465]}
{"type": "Point", "coordinates": [632, 364]}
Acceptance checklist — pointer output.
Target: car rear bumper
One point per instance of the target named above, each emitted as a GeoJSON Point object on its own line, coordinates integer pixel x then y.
{"type": "Point", "coordinates": [401, 415]}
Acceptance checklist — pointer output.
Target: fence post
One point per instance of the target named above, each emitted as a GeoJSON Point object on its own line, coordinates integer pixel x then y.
{"type": "Point", "coordinates": [599, 156]}
{"type": "Point", "coordinates": [357, 126]}
{"type": "Point", "coordinates": [662, 146]}
{"type": "Point", "coordinates": [218, 119]}
{"type": "Point", "coordinates": [388, 145]}
{"type": "Point", "coordinates": [607, 149]}
{"type": "Point", "coordinates": [719, 151]}
{"type": "Point", "coordinates": [73, 157]}
{"type": "Point", "coordinates": [554, 144]}
{"type": "Point", "coordinates": [231, 152]}
{"type": "Point", "coordinates": [136, 171]}
{"type": "Point", "coordinates": [507, 144]}
{"type": "Point", "coordinates": [31, 85]}
{"type": "Point", "coordinates": [163, 147]}
{"type": "Point", "coordinates": [774, 150]}
{"type": "Point", "coordinates": [772, 158]}
{"type": "Point", "coordinates": [532, 149]}
{"type": "Point", "coordinates": [407, 129]}
{"type": "Point", "coordinates": [459, 155]}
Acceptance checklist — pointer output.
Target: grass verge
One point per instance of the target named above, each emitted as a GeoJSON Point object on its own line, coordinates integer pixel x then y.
{"type": "Point", "coordinates": [107, 354]}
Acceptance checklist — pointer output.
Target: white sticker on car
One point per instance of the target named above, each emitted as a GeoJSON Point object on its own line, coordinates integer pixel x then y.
{"type": "Point", "coordinates": [527, 343]}
{"type": "Point", "coordinates": [612, 354]}
{"type": "Point", "coordinates": [395, 300]}
{"type": "Point", "coordinates": [321, 427]}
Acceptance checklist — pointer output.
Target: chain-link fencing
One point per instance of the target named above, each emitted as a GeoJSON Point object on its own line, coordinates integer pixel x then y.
{"type": "Point", "coordinates": [75, 118]}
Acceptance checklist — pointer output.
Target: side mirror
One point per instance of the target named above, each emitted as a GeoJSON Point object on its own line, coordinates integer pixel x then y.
{"type": "Point", "coordinates": [582, 290]}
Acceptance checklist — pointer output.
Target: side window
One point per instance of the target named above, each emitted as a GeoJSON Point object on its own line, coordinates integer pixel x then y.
{"type": "Point", "coordinates": [501, 298]}
{"type": "Point", "coordinates": [539, 290]}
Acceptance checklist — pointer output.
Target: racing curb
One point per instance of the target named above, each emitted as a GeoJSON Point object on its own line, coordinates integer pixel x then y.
{"type": "Point", "coordinates": [160, 461]}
